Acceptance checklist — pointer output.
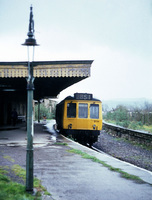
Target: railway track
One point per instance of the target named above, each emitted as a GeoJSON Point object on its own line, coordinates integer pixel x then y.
{"type": "Point", "coordinates": [123, 150]}
{"type": "Point", "coordinates": [141, 137]}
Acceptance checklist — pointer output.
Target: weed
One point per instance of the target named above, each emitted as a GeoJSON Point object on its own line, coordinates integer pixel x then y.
{"type": "Point", "coordinates": [143, 146]}
{"type": "Point", "coordinates": [4, 178]}
{"type": "Point", "coordinates": [20, 172]}
{"type": "Point", "coordinates": [2, 170]}
{"type": "Point", "coordinates": [46, 193]}
{"type": "Point", "coordinates": [94, 159]}
{"type": "Point", "coordinates": [11, 190]}
{"type": "Point", "coordinates": [60, 143]}
{"type": "Point", "coordinates": [9, 159]}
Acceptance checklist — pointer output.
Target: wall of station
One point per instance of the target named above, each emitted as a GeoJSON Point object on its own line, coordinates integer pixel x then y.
{"type": "Point", "coordinates": [10, 101]}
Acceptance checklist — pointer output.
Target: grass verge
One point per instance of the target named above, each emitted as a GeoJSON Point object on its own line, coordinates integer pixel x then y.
{"type": "Point", "coordinates": [94, 159]}
{"type": "Point", "coordinates": [37, 183]}
{"type": "Point", "coordinates": [10, 190]}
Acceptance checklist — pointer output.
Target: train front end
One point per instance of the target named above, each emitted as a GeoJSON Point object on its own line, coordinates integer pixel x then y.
{"type": "Point", "coordinates": [82, 118]}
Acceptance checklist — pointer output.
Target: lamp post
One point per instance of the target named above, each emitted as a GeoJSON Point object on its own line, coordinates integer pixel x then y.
{"type": "Point", "coordinates": [30, 42]}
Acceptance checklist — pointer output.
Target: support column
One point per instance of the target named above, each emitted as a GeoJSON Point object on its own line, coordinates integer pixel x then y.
{"type": "Point", "coordinates": [39, 111]}
{"type": "Point", "coordinates": [29, 152]}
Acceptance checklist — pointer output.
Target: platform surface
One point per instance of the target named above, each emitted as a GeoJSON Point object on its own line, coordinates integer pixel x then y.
{"type": "Point", "coordinates": [67, 175]}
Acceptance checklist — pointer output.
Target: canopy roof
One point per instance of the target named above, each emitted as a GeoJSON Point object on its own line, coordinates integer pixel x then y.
{"type": "Point", "coordinates": [51, 77]}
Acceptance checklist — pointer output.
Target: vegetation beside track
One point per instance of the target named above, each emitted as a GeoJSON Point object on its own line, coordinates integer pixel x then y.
{"type": "Point", "coordinates": [135, 118]}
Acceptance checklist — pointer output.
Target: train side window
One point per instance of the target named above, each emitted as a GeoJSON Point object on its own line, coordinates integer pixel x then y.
{"type": "Point", "coordinates": [83, 110]}
{"type": "Point", "coordinates": [94, 111]}
{"type": "Point", "coordinates": [71, 110]}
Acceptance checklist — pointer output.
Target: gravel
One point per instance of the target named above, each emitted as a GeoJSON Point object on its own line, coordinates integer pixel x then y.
{"type": "Point", "coordinates": [125, 150]}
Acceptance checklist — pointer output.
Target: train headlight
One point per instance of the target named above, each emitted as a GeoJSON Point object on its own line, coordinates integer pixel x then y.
{"type": "Point", "coordinates": [94, 127]}
{"type": "Point", "coordinates": [70, 126]}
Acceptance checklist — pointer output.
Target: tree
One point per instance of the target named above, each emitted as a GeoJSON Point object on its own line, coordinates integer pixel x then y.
{"type": "Point", "coordinates": [132, 117]}
{"type": "Point", "coordinates": [120, 115]}
{"type": "Point", "coordinates": [43, 112]}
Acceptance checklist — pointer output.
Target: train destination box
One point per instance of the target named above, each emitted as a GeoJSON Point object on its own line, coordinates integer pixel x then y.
{"type": "Point", "coordinates": [83, 96]}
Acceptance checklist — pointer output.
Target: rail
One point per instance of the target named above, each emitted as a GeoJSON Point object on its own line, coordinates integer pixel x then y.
{"type": "Point", "coordinates": [140, 137]}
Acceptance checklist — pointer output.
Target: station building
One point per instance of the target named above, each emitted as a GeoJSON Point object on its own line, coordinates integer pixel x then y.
{"type": "Point", "coordinates": [50, 78]}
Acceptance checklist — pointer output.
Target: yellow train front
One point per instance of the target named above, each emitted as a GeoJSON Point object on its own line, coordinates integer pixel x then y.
{"type": "Point", "coordinates": [80, 117]}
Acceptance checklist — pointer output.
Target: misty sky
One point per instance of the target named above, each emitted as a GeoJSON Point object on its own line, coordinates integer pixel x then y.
{"type": "Point", "coordinates": [116, 34]}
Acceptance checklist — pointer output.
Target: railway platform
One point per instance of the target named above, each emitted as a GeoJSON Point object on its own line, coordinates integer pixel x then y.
{"type": "Point", "coordinates": [66, 174]}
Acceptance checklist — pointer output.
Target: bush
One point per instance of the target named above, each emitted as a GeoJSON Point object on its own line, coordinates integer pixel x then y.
{"type": "Point", "coordinates": [133, 118]}
{"type": "Point", "coordinates": [135, 125]}
{"type": "Point", "coordinates": [123, 123]}
{"type": "Point", "coordinates": [43, 112]}
{"type": "Point", "coordinates": [120, 115]}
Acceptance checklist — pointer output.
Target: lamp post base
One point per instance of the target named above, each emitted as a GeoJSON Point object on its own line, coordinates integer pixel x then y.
{"type": "Point", "coordinates": [29, 170]}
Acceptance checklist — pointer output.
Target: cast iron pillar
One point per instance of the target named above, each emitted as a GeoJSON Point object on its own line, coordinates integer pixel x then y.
{"type": "Point", "coordinates": [30, 42]}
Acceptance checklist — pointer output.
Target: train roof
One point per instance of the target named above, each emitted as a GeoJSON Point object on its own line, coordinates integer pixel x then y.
{"type": "Point", "coordinates": [76, 97]}
{"type": "Point", "coordinates": [73, 98]}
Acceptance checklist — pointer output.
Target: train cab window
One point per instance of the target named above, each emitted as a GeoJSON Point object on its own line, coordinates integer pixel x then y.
{"type": "Point", "coordinates": [71, 110]}
{"type": "Point", "coordinates": [94, 111]}
{"type": "Point", "coordinates": [83, 110]}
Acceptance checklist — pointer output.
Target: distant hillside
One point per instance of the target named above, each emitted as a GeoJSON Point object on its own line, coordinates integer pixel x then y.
{"type": "Point", "coordinates": [111, 104]}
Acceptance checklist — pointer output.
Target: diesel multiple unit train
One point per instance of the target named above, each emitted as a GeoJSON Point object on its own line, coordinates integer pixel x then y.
{"type": "Point", "coordinates": [80, 117]}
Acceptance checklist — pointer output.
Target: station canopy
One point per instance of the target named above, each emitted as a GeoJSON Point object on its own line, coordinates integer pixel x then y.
{"type": "Point", "coordinates": [50, 77]}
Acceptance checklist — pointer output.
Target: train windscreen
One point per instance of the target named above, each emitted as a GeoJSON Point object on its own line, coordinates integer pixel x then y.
{"type": "Point", "coordinates": [83, 110]}
{"type": "Point", "coordinates": [94, 111]}
{"type": "Point", "coordinates": [71, 110]}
